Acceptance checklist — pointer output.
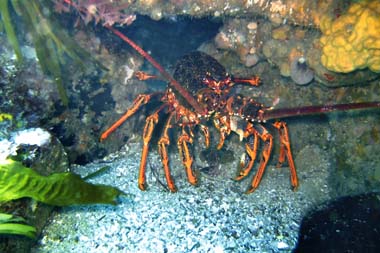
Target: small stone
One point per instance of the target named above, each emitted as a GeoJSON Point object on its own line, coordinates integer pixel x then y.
{"type": "Point", "coordinates": [276, 19]}
{"type": "Point", "coordinates": [300, 72]}
{"type": "Point", "coordinates": [281, 33]}
{"type": "Point", "coordinates": [251, 60]}
{"type": "Point", "coordinates": [285, 69]}
{"type": "Point", "coordinates": [299, 34]}
{"type": "Point", "coordinates": [268, 49]}
{"type": "Point", "coordinates": [156, 14]}
{"type": "Point", "coordinates": [376, 174]}
{"type": "Point", "coordinates": [222, 41]}
{"type": "Point", "coordinates": [282, 245]}
{"type": "Point", "coordinates": [252, 26]}
{"type": "Point", "coordinates": [242, 51]}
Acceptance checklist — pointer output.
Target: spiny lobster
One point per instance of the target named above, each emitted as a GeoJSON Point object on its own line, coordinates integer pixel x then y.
{"type": "Point", "coordinates": [192, 99]}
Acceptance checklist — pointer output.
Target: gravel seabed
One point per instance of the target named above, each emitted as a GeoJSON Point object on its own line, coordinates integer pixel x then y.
{"type": "Point", "coordinates": [215, 216]}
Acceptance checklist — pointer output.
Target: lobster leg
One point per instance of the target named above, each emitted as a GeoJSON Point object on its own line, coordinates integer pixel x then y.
{"type": "Point", "coordinates": [254, 81]}
{"type": "Point", "coordinates": [139, 101]}
{"type": "Point", "coordinates": [162, 143]}
{"type": "Point", "coordinates": [206, 133]}
{"type": "Point", "coordinates": [224, 127]}
{"type": "Point", "coordinates": [251, 150]}
{"type": "Point", "coordinates": [142, 76]}
{"type": "Point", "coordinates": [151, 122]}
{"type": "Point", "coordinates": [268, 145]}
{"type": "Point", "coordinates": [186, 158]}
{"type": "Point", "coordinates": [286, 151]}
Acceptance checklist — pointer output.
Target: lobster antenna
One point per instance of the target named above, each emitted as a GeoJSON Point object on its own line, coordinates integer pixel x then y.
{"type": "Point", "coordinates": [318, 109]}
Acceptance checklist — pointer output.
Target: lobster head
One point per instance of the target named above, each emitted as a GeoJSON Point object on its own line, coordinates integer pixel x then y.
{"type": "Point", "coordinates": [217, 85]}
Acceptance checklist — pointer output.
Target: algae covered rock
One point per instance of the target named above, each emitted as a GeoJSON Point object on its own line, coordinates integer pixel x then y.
{"type": "Point", "coordinates": [348, 224]}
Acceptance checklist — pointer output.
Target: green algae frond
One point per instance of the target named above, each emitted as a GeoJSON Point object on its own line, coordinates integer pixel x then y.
{"type": "Point", "coordinates": [10, 225]}
{"type": "Point", "coordinates": [9, 29]}
{"type": "Point", "coordinates": [51, 42]}
{"type": "Point", "coordinates": [5, 116]}
{"type": "Point", "coordinates": [60, 189]}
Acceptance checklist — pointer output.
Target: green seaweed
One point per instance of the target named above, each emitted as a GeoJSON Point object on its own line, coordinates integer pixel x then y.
{"type": "Point", "coordinates": [9, 29]}
{"type": "Point", "coordinates": [9, 225]}
{"type": "Point", "coordinates": [97, 173]}
{"type": "Point", "coordinates": [59, 189]}
{"type": "Point", "coordinates": [5, 116]}
{"type": "Point", "coordinates": [50, 46]}
{"type": "Point", "coordinates": [51, 42]}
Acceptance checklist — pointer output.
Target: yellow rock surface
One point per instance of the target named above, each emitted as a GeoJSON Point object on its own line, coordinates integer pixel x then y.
{"type": "Point", "coordinates": [352, 41]}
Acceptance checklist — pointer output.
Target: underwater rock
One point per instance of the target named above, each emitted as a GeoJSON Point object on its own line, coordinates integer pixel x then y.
{"type": "Point", "coordinates": [299, 71]}
{"type": "Point", "coordinates": [349, 224]}
{"type": "Point", "coordinates": [297, 12]}
{"type": "Point", "coordinates": [251, 60]}
{"type": "Point", "coordinates": [243, 38]}
{"type": "Point", "coordinates": [281, 33]}
{"type": "Point", "coordinates": [38, 149]}
{"type": "Point", "coordinates": [333, 79]}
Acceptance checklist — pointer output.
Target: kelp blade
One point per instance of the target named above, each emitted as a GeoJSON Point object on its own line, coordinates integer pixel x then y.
{"type": "Point", "coordinates": [18, 229]}
{"type": "Point", "coordinates": [9, 29]}
{"type": "Point", "coordinates": [60, 189]}
{"type": "Point", "coordinates": [9, 227]}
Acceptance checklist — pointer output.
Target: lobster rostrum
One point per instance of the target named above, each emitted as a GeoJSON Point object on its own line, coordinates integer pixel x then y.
{"type": "Point", "coordinates": [201, 91]}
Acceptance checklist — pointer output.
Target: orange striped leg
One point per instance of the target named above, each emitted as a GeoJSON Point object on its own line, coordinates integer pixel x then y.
{"type": "Point", "coordinates": [151, 122]}
{"type": "Point", "coordinates": [186, 158]}
{"type": "Point", "coordinates": [139, 101]}
{"type": "Point", "coordinates": [224, 128]}
{"type": "Point", "coordinates": [268, 145]}
{"type": "Point", "coordinates": [142, 76]}
{"type": "Point", "coordinates": [251, 150]}
{"type": "Point", "coordinates": [286, 151]}
{"type": "Point", "coordinates": [206, 133]}
{"type": "Point", "coordinates": [254, 81]}
{"type": "Point", "coordinates": [162, 143]}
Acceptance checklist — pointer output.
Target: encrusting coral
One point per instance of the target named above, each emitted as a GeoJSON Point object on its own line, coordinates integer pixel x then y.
{"type": "Point", "coordinates": [352, 41]}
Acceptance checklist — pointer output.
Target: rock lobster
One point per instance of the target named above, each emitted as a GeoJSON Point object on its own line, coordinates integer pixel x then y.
{"type": "Point", "coordinates": [204, 93]}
